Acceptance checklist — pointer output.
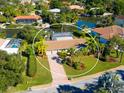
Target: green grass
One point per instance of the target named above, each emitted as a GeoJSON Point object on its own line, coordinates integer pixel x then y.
{"type": "Point", "coordinates": [42, 77]}
{"type": "Point", "coordinates": [89, 62]}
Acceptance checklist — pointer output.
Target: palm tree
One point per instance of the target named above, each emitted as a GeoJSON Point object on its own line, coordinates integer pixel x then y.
{"type": "Point", "coordinates": [110, 81]}
{"type": "Point", "coordinates": [91, 45]}
{"type": "Point", "coordinates": [71, 51]}
{"type": "Point", "coordinates": [118, 42]}
{"type": "Point", "coordinates": [40, 47]}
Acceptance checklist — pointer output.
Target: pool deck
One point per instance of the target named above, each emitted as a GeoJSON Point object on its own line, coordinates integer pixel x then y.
{"type": "Point", "coordinates": [3, 44]}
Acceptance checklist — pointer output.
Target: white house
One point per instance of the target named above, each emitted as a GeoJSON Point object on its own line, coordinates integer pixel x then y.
{"type": "Point", "coordinates": [10, 45]}
{"type": "Point", "coordinates": [107, 14]}
{"type": "Point", "coordinates": [119, 20]}
{"type": "Point", "coordinates": [72, 7]}
{"type": "Point", "coordinates": [55, 10]}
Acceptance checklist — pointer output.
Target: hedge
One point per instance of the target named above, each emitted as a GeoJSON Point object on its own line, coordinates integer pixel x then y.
{"type": "Point", "coordinates": [31, 66]}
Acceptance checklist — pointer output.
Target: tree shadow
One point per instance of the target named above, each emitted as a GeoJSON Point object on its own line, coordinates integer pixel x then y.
{"type": "Point", "coordinates": [57, 59]}
{"type": "Point", "coordinates": [71, 89]}
{"type": "Point", "coordinates": [90, 88]}
{"type": "Point", "coordinates": [68, 89]}
{"type": "Point", "coordinates": [121, 73]}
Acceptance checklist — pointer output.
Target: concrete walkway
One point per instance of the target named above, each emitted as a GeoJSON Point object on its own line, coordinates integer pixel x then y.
{"type": "Point", "coordinates": [58, 74]}
{"type": "Point", "coordinates": [89, 77]}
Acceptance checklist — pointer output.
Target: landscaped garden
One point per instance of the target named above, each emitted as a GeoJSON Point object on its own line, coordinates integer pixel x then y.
{"type": "Point", "coordinates": [78, 62]}
{"type": "Point", "coordinates": [89, 62]}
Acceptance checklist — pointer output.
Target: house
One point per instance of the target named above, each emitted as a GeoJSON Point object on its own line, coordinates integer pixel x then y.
{"type": "Point", "coordinates": [27, 19]}
{"type": "Point", "coordinates": [62, 36]}
{"type": "Point", "coordinates": [25, 1]}
{"type": "Point", "coordinates": [76, 7]}
{"type": "Point", "coordinates": [94, 8]}
{"type": "Point", "coordinates": [62, 40]}
{"type": "Point", "coordinates": [107, 33]}
{"type": "Point", "coordinates": [119, 20]}
{"type": "Point", "coordinates": [10, 45]}
{"type": "Point", "coordinates": [56, 45]}
{"type": "Point", "coordinates": [107, 14]}
{"type": "Point", "coordinates": [55, 10]}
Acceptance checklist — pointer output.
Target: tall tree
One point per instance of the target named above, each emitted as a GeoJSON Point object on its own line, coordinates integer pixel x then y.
{"type": "Point", "coordinates": [11, 69]}
{"type": "Point", "coordinates": [118, 42]}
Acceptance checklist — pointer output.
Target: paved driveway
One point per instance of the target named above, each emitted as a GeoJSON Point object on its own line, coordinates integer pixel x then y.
{"type": "Point", "coordinates": [58, 74]}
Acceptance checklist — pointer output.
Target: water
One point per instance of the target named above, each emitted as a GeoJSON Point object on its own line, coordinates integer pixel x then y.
{"type": "Point", "coordinates": [81, 23]}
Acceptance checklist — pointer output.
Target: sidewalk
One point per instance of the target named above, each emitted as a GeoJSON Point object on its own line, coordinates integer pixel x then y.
{"type": "Point", "coordinates": [88, 77]}
{"type": "Point", "coordinates": [80, 79]}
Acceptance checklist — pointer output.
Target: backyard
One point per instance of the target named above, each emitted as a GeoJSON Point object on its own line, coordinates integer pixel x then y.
{"type": "Point", "coordinates": [42, 77]}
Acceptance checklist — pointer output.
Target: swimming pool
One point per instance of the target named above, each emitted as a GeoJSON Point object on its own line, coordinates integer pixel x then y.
{"type": "Point", "coordinates": [14, 46]}
{"type": "Point", "coordinates": [14, 43]}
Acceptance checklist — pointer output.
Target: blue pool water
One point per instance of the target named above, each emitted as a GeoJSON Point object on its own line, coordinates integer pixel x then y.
{"type": "Point", "coordinates": [14, 43]}
{"type": "Point", "coordinates": [14, 46]}
{"type": "Point", "coordinates": [81, 23]}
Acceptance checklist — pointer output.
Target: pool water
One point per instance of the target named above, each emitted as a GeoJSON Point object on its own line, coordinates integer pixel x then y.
{"type": "Point", "coordinates": [14, 46]}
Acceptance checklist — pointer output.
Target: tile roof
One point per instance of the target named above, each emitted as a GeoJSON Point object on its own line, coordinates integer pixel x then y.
{"type": "Point", "coordinates": [28, 17]}
{"type": "Point", "coordinates": [109, 32]}
{"type": "Point", "coordinates": [76, 7]}
{"type": "Point", "coordinates": [2, 41]}
{"type": "Point", "coordinates": [63, 44]}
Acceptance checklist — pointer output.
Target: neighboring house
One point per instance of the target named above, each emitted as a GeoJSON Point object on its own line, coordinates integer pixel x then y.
{"type": "Point", "coordinates": [95, 8]}
{"type": "Point", "coordinates": [25, 1]}
{"type": "Point", "coordinates": [33, 2]}
{"type": "Point", "coordinates": [76, 7]}
{"type": "Point", "coordinates": [107, 33]}
{"type": "Point", "coordinates": [27, 19]}
{"type": "Point", "coordinates": [55, 10]}
{"type": "Point", "coordinates": [10, 45]}
{"type": "Point", "coordinates": [119, 20]}
{"type": "Point", "coordinates": [107, 14]}
{"type": "Point", "coordinates": [62, 36]}
{"type": "Point", "coordinates": [45, 25]}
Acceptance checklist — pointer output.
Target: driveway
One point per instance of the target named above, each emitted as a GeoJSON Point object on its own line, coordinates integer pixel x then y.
{"type": "Point", "coordinates": [58, 74]}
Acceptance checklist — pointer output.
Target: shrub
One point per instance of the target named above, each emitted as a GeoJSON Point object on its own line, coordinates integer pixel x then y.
{"type": "Point", "coordinates": [78, 65]}
{"type": "Point", "coordinates": [112, 59]}
{"type": "Point", "coordinates": [69, 61]}
{"type": "Point", "coordinates": [31, 66]}
{"type": "Point", "coordinates": [75, 62]}
{"type": "Point", "coordinates": [62, 54]}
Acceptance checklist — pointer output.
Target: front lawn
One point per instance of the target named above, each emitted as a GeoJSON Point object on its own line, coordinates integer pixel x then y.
{"type": "Point", "coordinates": [42, 77]}
{"type": "Point", "coordinates": [89, 62]}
